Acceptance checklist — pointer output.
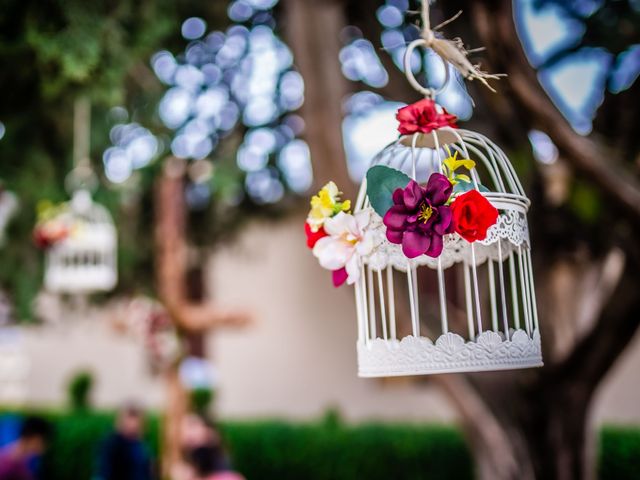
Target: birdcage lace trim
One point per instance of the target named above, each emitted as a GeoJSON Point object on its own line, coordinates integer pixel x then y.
{"type": "Point", "coordinates": [509, 233]}
{"type": "Point", "coordinates": [450, 353]}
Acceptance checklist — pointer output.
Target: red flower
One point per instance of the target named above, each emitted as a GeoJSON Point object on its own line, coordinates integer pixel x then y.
{"type": "Point", "coordinates": [45, 237]}
{"type": "Point", "coordinates": [473, 214]}
{"type": "Point", "coordinates": [423, 116]}
{"type": "Point", "coordinates": [313, 237]}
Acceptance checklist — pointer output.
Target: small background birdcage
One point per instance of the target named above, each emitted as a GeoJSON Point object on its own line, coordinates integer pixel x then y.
{"type": "Point", "coordinates": [85, 261]}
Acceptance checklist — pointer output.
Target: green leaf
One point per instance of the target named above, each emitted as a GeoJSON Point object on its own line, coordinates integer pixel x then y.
{"type": "Point", "coordinates": [462, 187]}
{"type": "Point", "coordinates": [381, 183]}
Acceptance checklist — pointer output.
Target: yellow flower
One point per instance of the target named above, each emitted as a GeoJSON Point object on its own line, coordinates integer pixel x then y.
{"type": "Point", "coordinates": [325, 205]}
{"type": "Point", "coordinates": [452, 164]}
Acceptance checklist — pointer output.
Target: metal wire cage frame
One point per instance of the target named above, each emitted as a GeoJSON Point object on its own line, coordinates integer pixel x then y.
{"type": "Point", "coordinates": [483, 316]}
{"type": "Point", "coordinates": [85, 261]}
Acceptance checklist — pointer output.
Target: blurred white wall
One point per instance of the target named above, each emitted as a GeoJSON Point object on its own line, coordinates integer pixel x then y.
{"type": "Point", "coordinates": [295, 361]}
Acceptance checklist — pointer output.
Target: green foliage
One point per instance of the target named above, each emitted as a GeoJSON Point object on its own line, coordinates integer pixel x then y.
{"type": "Point", "coordinates": [328, 449]}
{"type": "Point", "coordinates": [619, 453]}
{"type": "Point", "coordinates": [79, 390]}
{"type": "Point", "coordinates": [332, 451]}
{"type": "Point", "coordinates": [201, 399]}
{"type": "Point", "coordinates": [52, 52]}
{"type": "Point", "coordinates": [382, 181]}
{"type": "Point", "coordinates": [585, 201]}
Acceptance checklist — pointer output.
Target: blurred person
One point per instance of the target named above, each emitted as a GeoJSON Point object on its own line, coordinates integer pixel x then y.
{"type": "Point", "coordinates": [209, 462]}
{"type": "Point", "coordinates": [123, 455]}
{"type": "Point", "coordinates": [18, 460]}
{"type": "Point", "coordinates": [203, 451]}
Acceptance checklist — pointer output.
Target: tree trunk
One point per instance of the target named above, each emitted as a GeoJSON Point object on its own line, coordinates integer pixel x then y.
{"type": "Point", "coordinates": [546, 413]}
{"type": "Point", "coordinates": [182, 299]}
{"type": "Point", "coordinates": [537, 424]}
{"type": "Point", "coordinates": [175, 409]}
{"type": "Point", "coordinates": [313, 31]}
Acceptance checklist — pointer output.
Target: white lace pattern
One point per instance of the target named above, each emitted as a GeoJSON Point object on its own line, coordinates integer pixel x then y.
{"type": "Point", "coordinates": [511, 230]}
{"type": "Point", "coordinates": [450, 353]}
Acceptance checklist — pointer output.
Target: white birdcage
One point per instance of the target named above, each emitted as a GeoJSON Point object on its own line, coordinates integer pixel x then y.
{"type": "Point", "coordinates": [472, 308]}
{"type": "Point", "coordinates": [85, 260]}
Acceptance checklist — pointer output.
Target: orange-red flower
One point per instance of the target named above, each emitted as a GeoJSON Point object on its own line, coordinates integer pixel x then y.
{"type": "Point", "coordinates": [423, 116]}
{"type": "Point", "coordinates": [48, 234]}
{"type": "Point", "coordinates": [473, 214]}
{"type": "Point", "coordinates": [313, 237]}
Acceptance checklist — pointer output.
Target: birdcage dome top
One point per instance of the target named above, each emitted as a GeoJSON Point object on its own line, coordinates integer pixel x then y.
{"type": "Point", "coordinates": [419, 156]}
{"type": "Point", "coordinates": [81, 245]}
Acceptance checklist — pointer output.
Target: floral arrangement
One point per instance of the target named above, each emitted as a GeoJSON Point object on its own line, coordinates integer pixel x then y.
{"type": "Point", "coordinates": [52, 224]}
{"type": "Point", "coordinates": [338, 237]}
{"type": "Point", "coordinates": [148, 322]}
{"type": "Point", "coordinates": [417, 217]}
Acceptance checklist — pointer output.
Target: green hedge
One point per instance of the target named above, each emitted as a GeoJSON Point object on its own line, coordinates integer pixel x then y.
{"type": "Point", "coordinates": [619, 453]}
{"type": "Point", "coordinates": [325, 450]}
{"type": "Point", "coordinates": [281, 450]}
{"type": "Point", "coordinates": [276, 450]}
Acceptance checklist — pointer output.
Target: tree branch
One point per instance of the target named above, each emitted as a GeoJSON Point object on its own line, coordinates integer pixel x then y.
{"type": "Point", "coordinates": [494, 23]}
{"type": "Point", "coordinates": [596, 352]}
{"type": "Point", "coordinates": [491, 443]}
{"type": "Point", "coordinates": [171, 259]}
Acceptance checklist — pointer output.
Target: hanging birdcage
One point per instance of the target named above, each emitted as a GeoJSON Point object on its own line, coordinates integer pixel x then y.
{"type": "Point", "coordinates": [79, 236]}
{"type": "Point", "coordinates": [438, 250]}
{"type": "Point", "coordinates": [83, 260]}
{"type": "Point", "coordinates": [477, 309]}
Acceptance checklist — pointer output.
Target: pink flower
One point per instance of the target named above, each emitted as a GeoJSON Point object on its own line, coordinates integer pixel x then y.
{"type": "Point", "coordinates": [423, 116]}
{"type": "Point", "coordinates": [339, 277]}
{"type": "Point", "coordinates": [419, 217]}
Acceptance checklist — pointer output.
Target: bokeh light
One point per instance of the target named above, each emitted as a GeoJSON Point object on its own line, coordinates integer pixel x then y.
{"type": "Point", "coordinates": [133, 147]}
{"type": "Point", "coordinates": [369, 126]}
{"type": "Point", "coordinates": [193, 28]}
{"type": "Point", "coordinates": [240, 79]}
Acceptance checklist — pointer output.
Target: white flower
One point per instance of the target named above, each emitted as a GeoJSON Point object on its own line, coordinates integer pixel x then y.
{"type": "Point", "coordinates": [348, 240]}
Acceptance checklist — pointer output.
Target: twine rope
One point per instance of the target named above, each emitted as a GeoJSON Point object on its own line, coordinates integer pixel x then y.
{"type": "Point", "coordinates": [82, 175]}
{"type": "Point", "coordinates": [453, 51]}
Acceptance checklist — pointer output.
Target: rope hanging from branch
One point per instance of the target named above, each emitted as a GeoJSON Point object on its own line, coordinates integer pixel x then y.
{"type": "Point", "coordinates": [453, 51]}
{"type": "Point", "coordinates": [82, 175]}
{"type": "Point", "coordinates": [81, 132]}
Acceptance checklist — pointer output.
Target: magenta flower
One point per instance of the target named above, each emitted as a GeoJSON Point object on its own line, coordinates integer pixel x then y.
{"type": "Point", "coordinates": [419, 217]}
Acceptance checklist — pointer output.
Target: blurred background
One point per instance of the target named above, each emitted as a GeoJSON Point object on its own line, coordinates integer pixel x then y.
{"type": "Point", "coordinates": [200, 130]}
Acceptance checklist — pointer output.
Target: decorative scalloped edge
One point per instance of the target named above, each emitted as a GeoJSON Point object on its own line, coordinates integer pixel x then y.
{"type": "Point", "coordinates": [511, 228]}
{"type": "Point", "coordinates": [450, 353]}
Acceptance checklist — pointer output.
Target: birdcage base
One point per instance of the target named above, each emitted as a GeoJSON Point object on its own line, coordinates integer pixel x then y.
{"type": "Point", "coordinates": [449, 354]}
